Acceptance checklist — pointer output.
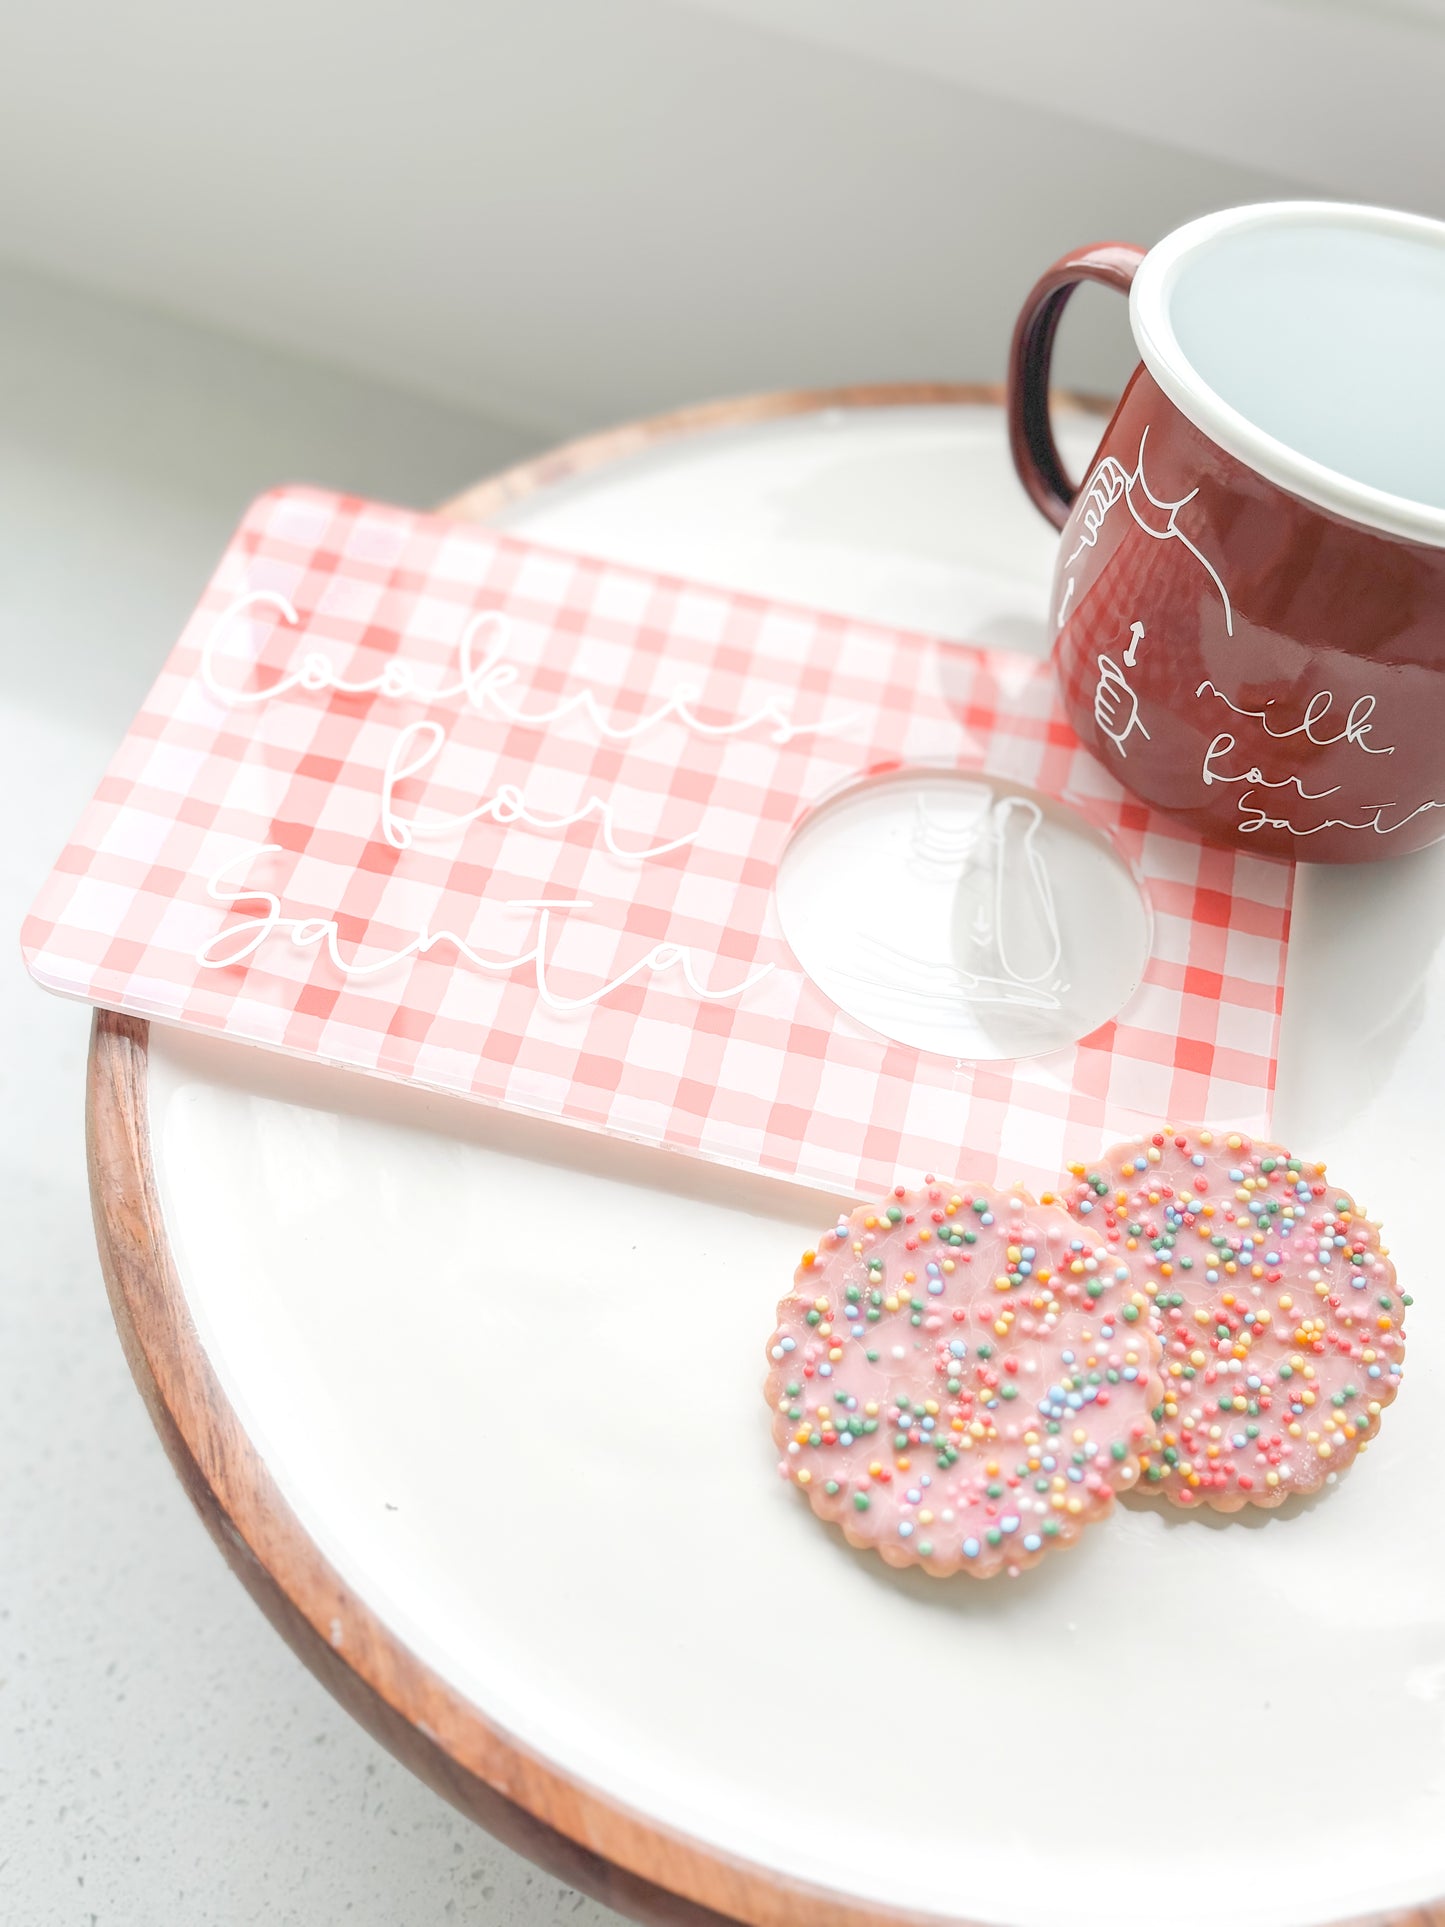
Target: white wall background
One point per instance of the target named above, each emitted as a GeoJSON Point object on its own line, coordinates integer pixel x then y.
{"type": "Point", "coordinates": [566, 211]}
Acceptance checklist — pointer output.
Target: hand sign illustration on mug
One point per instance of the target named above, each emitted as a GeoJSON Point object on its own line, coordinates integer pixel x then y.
{"type": "Point", "coordinates": [1116, 704]}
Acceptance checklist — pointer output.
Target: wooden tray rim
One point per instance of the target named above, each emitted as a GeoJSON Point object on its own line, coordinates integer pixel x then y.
{"type": "Point", "coordinates": [573, 1829]}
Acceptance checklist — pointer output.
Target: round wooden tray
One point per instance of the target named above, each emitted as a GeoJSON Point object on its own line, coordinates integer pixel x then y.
{"type": "Point", "coordinates": [599, 1844]}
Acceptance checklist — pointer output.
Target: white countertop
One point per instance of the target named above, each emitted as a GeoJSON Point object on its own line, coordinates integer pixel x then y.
{"type": "Point", "coordinates": [164, 1760]}
{"type": "Point", "coordinates": [239, 1792]}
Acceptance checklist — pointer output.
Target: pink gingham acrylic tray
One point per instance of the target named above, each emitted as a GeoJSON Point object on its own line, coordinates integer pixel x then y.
{"type": "Point", "coordinates": [500, 820]}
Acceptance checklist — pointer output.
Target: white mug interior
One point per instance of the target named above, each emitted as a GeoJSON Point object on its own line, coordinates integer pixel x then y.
{"type": "Point", "coordinates": [1307, 338]}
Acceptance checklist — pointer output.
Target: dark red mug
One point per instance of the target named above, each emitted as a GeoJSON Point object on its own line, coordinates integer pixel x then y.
{"type": "Point", "coordinates": [1249, 602]}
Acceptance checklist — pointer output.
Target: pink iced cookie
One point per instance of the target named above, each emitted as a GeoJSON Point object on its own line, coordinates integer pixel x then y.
{"type": "Point", "coordinates": [962, 1378]}
{"type": "Point", "coordinates": [1282, 1326]}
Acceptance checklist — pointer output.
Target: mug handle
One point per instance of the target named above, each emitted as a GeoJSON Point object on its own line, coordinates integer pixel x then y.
{"type": "Point", "coordinates": [1031, 438]}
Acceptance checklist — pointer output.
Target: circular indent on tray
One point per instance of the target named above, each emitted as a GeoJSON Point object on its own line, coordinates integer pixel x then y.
{"type": "Point", "coordinates": [962, 914]}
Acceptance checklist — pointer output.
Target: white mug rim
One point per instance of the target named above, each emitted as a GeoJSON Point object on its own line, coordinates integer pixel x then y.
{"type": "Point", "coordinates": [1160, 350]}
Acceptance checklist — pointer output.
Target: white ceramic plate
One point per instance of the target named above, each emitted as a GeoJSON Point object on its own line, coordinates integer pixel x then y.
{"type": "Point", "coordinates": [509, 1378]}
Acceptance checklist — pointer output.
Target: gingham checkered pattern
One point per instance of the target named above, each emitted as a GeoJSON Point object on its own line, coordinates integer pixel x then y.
{"type": "Point", "coordinates": [778, 1079]}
